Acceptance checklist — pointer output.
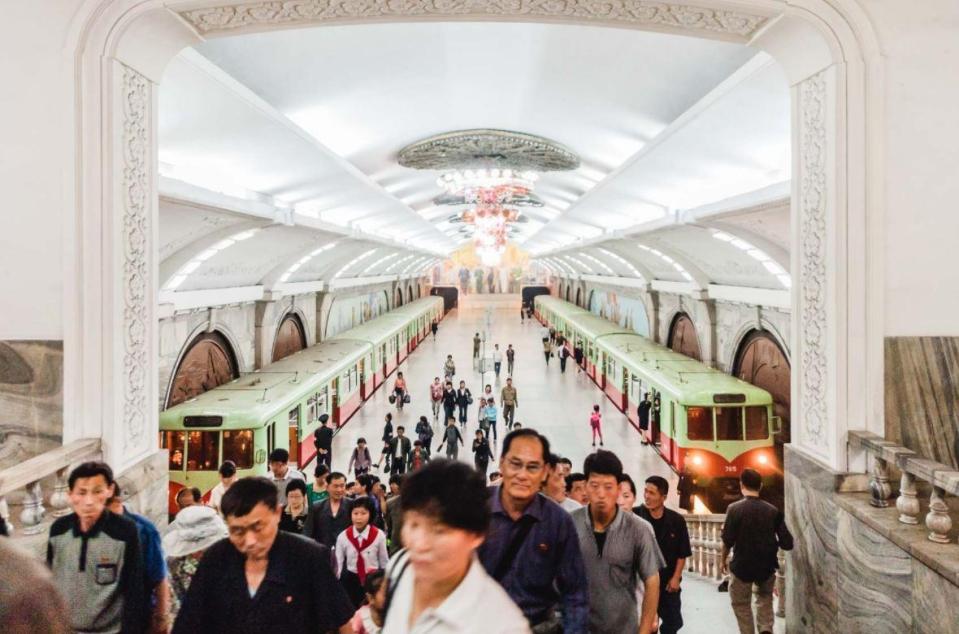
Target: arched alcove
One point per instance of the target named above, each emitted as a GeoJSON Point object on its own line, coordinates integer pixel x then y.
{"type": "Point", "coordinates": [290, 337]}
{"type": "Point", "coordinates": [683, 338]}
{"type": "Point", "coordinates": [579, 297]}
{"type": "Point", "coordinates": [399, 298]}
{"type": "Point", "coordinates": [208, 361]}
{"type": "Point", "coordinates": [409, 294]}
{"type": "Point", "coordinates": [828, 50]}
{"type": "Point", "coordinates": [760, 360]}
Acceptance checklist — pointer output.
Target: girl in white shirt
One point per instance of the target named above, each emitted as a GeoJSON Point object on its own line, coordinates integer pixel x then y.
{"type": "Point", "coordinates": [360, 550]}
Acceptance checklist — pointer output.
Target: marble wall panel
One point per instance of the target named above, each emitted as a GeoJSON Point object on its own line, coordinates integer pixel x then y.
{"type": "Point", "coordinates": [875, 580]}
{"type": "Point", "coordinates": [935, 604]}
{"type": "Point", "coordinates": [812, 576]}
{"type": "Point", "coordinates": [922, 395]}
{"type": "Point", "coordinates": [144, 488]}
{"type": "Point", "coordinates": [31, 399]}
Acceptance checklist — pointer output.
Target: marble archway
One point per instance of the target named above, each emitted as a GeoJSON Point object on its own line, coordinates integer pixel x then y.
{"type": "Point", "coordinates": [208, 361]}
{"type": "Point", "coordinates": [290, 337]}
{"type": "Point", "coordinates": [683, 338]}
{"type": "Point", "coordinates": [829, 53]}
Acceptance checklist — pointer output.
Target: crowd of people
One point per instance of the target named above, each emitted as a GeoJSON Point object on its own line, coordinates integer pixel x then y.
{"type": "Point", "coordinates": [532, 547]}
{"type": "Point", "coordinates": [405, 541]}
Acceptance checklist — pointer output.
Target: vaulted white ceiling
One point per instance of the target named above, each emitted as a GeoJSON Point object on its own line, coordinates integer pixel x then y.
{"type": "Point", "coordinates": [309, 122]}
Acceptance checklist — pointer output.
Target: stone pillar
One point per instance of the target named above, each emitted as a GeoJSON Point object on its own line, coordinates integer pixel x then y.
{"type": "Point", "coordinates": [266, 317]}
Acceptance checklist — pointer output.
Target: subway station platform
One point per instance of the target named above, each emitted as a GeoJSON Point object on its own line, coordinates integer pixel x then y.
{"type": "Point", "coordinates": [556, 404]}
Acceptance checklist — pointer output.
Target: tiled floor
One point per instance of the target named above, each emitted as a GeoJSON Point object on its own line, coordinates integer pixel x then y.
{"type": "Point", "coordinates": [556, 404]}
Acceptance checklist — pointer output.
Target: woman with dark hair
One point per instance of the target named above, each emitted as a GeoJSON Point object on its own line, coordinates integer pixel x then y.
{"type": "Point", "coordinates": [445, 519]}
{"type": "Point", "coordinates": [360, 550]}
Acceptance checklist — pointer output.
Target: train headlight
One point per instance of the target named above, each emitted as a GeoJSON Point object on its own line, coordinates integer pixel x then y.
{"type": "Point", "coordinates": [697, 460]}
{"type": "Point", "coordinates": [763, 459]}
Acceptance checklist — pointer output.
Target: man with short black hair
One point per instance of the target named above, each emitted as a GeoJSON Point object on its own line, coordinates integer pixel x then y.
{"type": "Point", "coordinates": [329, 518]}
{"type": "Point", "coordinates": [532, 547]}
{"type": "Point", "coordinates": [227, 473]}
{"type": "Point", "coordinates": [323, 440]}
{"type": "Point", "coordinates": [617, 547]}
{"type": "Point", "coordinates": [282, 473]}
{"type": "Point", "coordinates": [400, 448]}
{"type": "Point", "coordinates": [262, 579]}
{"type": "Point", "coordinates": [555, 486]}
{"type": "Point", "coordinates": [576, 488]}
{"type": "Point", "coordinates": [755, 531]}
{"type": "Point", "coordinates": [156, 576]}
{"type": "Point", "coordinates": [672, 536]}
{"type": "Point", "coordinates": [95, 557]}
{"type": "Point", "coordinates": [437, 584]}
{"type": "Point", "coordinates": [510, 401]}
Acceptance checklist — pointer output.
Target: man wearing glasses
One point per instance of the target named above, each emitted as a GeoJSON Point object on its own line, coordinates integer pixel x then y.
{"type": "Point", "coordinates": [532, 548]}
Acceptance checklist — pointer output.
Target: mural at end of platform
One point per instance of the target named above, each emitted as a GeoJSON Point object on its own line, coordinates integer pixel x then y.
{"type": "Point", "coordinates": [31, 399]}
{"type": "Point", "coordinates": [350, 312]}
{"type": "Point", "coordinates": [464, 270]}
{"type": "Point", "coordinates": [628, 312]}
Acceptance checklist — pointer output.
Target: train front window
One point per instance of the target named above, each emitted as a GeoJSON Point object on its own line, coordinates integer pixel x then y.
{"type": "Point", "coordinates": [238, 447]}
{"type": "Point", "coordinates": [729, 423]}
{"type": "Point", "coordinates": [757, 423]}
{"type": "Point", "coordinates": [699, 423]}
{"type": "Point", "coordinates": [203, 451]}
{"type": "Point", "coordinates": [174, 441]}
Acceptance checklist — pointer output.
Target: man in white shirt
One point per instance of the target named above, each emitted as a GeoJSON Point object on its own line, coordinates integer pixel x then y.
{"type": "Point", "coordinates": [227, 478]}
{"type": "Point", "coordinates": [555, 485]}
{"type": "Point", "coordinates": [497, 359]}
{"type": "Point", "coordinates": [439, 585]}
{"type": "Point", "coordinates": [281, 473]}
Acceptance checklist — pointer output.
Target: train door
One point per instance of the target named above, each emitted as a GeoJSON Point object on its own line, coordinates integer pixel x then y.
{"type": "Point", "coordinates": [335, 401]}
{"type": "Point", "coordinates": [270, 438]}
{"type": "Point", "coordinates": [383, 360]}
{"type": "Point", "coordinates": [293, 422]}
{"type": "Point", "coordinates": [396, 344]}
{"type": "Point", "coordinates": [673, 441]}
{"type": "Point", "coordinates": [655, 414]}
{"type": "Point", "coordinates": [604, 369]}
{"type": "Point", "coordinates": [624, 392]}
{"type": "Point", "coordinates": [362, 368]}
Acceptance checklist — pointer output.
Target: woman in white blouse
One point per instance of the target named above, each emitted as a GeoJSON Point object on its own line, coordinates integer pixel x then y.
{"type": "Point", "coordinates": [360, 550]}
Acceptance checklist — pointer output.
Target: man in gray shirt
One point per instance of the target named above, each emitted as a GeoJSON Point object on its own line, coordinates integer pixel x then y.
{"type": "Point", "coordinates": [617, 547]}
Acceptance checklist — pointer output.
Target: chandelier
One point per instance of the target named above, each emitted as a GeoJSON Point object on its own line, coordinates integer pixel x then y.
{"type": "Point", "coordinates": [492, 173]}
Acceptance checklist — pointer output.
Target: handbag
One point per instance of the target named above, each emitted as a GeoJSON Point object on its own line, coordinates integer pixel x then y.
{"type": "Point", "coordinates": [392, 398]}
{"type": "Point", "coordinates": [406, 398]}
{"type": "Point", "coordinates": [469, 399]}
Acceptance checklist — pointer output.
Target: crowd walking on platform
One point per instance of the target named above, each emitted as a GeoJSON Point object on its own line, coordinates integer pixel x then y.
{"type": "Point", "coordinates": [439, 546]}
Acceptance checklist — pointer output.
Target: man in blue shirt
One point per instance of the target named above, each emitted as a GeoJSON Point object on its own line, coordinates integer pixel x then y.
{"type": "Point", "coordinates": [156, 581]}
{"type": "Point", "coordinates": [532, 549]}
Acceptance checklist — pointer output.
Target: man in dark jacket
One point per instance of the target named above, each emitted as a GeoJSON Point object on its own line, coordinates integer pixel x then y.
{"type": "Point", "coordinates": [449, 401]}
{"type": "Point", "coordinates": [755, 531]}
{"type": "Point", "coordinates": [463, 399]}
{"type": "Point", "coordinates": [400, 448]}
{"type": "Point", "coordinates": [261, 579]}
{"type": "Point", "coordinates": [329, 518]}
{"type": "Point", "coordinates": [323, 438]}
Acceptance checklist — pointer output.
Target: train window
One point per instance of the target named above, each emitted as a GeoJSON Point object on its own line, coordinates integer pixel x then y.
{"type": "Point", "coordinates": [174, 441]}
{"type": "Point", "coordinates": [699, 423]}
{"type": "Point", "coordinates": [238, 447]}
{"type": "Point", "coordinates": [757, 423]}
{"type": "Point", "coordinates": [203, 451]}
{"type": "Point", "coordinates": [729, 423]}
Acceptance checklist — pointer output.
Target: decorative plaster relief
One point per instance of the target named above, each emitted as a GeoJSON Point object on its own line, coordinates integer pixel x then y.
{"type": "Point", "coordinates": [137, 100]}
{"type": "Point", "coordinates": [812, 259]}
{"type": "Point", "coordinates": [636, 12]}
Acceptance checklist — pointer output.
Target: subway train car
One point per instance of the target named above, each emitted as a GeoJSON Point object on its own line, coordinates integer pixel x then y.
{"type": "Point", "coordinates": [702, 420]}
{"type": "Point", "coordinates": [280, 405]}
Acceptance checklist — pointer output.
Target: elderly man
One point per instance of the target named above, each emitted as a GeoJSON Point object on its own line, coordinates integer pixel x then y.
{"type": "Point", "coordinates": [532, 547]}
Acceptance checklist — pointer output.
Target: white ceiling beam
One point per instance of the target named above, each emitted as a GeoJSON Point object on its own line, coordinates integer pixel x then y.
{"type": "Point", "coordinates": [208, 298]}
{"type": "Point", "coordinates": [701, 279]}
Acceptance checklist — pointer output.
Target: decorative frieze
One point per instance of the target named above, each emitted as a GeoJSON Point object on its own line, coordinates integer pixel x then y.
{"type": "Point", "coordinates": [627, 12]}
{"type": "Point", "coordinates": [812, 261]}
{"type": "Point", "coordinates": [136, 146]}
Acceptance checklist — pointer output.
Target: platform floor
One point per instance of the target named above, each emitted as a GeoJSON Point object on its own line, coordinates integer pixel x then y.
{"type": "Point", "coordinates": [554, 403]}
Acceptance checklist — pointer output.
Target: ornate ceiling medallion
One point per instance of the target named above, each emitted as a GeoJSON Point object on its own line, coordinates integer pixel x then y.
{"type": "Point", "coordinates": [500, 149]}
{"type": "Point", "coordinates": [493, 172]}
